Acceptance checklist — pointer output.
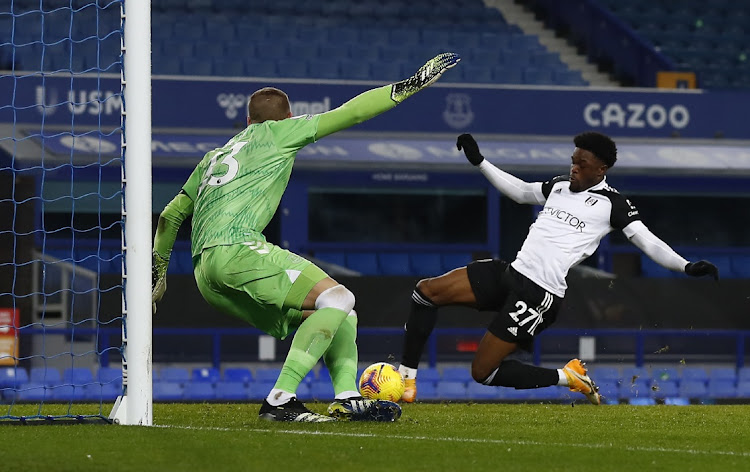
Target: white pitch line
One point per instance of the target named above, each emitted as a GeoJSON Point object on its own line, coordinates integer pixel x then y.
{"type": "Point", "coordinates": [511, 442]}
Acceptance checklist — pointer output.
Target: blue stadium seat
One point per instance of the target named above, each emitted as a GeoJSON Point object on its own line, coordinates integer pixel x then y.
{"type": "Point", "coordinates": [553, 393]}
{"type": "Point", "coordinates": [677, 401]}
{"type": "Point", "coordinates": [293, 68]}
{"type": "Point", "coordinates": [609, 388]}
{"type": "Point", "coordinates": [13, 377]}
{"type": "Point", "coordinates": [177, 375]}
{"type": "Point", "coordinates": [641, 401]}
{"type": "Point", "coordinates": [226, 67]}
{"type": "Point", "coordinates": [693, 389]}
{"type": "Point", "coordinates": [199, 391]}
{"type": "Point", "coordinates": [545, 59]}
{"type": "Point", "coordinates": [451, 260]}
{"type": "Point", "coordinates": [364, 262]}
{"type": "Point", "coordinates": [324, 375]}
{"type": "Point", "coordinates": [102, 392]}
{"type": "Point", "coordinates": [569, 77]}
{"type": "Point", "coordinates": [205, 374]}
{"type": "Point", "coordinates": [426, 390]}
{"type": "Point", "coordinates": [665, 373]}
{"type": "Point", "coordinates": [723, 373]}
{"type": "Point", "coordinates": [477, 74]}
{"type": "Point", "coordinates": [664, 389]}
{"type": "Point", "coordinates": [33, 392]}
{"type": "Point", "coordinates": [450, 390]}
{"type": "Point", "coordinates": [304, 392]}
{"type": "Point", "coordinates": [639, 373]}
{"type": "Point", "coordinates": [517, 394]}
{"type": "Point", "coordinates": [533, 75]}
{"type": "Point", "coordinates": [507, 74]}
{"type": "Point", "coordinates": [260, 68]}
{"type": "Point", "coordinates": [342, 35]}
{"type": "Point", "coordinates": [334, 257]}
{"type": "Point", "coordinates": [651, 269]}
{"type": "Point", "coordinates": [602, 374]}
{"type": "Point", "coordinates": [259, 390]}
{"type": "Point", "coordinates": [386, 71]}
{"type": "Point", "coordinates": [394, 263]}
{"type": "Point", "coordinates": [718, 388]}
{"type": "Point", "coordinates": [355, 70]}
{"type": "Point", "coordinates": [743, 374]}
{"type": "Point", "coordinates": [238, 374]}
{"type": "Point", "coordinates": [425, 263]}
{"type": "Point", "coordinates": [697, 374]}
{"type": "Point", "coordinates": [49, 376]}
{"type": "Point", "coordinates": [197, 66]}
{"type": "Point", "coordinates": [477, 391]}
{"type": "Point", "coordinates": [205, 50]}
{"type": "Point", "coordinates": [429, 374]}
{"type": "Point", "coordinates": [67, 393]}
{"type": "Point", "coordinates": [228, 390]}
{"type": "Point", "coordinates": [267, 374]}
{"type": "Point", "coordinates": [167, 391]}
{"type": "Point", "coordinates": [743, 389]}
{"type": "Point", "coordinates": [741, 266]}
{"type": "Point", "coordinates": [109, 375]}
{"type": "Point", "coordinates": [638, 388]}
{"type": "Point", "coordinates": [77, 375]}
{"type": "Point", "coordinates": [455, 374]}
{"type": "Point", "coordinates": [365, 53]}
{"type": "Point", "coordinates": [322, 391]}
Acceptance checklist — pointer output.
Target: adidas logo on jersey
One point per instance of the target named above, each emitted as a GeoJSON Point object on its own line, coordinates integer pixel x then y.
{"type": "Point", "coordinates": [513, 330]}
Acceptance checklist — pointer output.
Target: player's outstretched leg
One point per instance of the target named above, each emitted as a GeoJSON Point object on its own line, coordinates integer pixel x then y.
{"type": "Point", "coordinates": [579, 381]}
{"type": "Point", "coordinates": [293, 410]}
{"type": "Point", "coordinates": [360, 409]}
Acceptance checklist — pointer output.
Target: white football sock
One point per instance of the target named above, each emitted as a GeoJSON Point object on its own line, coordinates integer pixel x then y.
{"type": "Point", "coordinates": [563, 382]}
{"type": "Point", "coordinates": [407, 372]}
{"type": "Point", "coordinates": [347, 395]}
{"type": "Point", "coordinates": [278, 397]}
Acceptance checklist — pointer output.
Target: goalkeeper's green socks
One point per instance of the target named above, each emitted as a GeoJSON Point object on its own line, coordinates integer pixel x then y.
{"type": "Point", "coordinates": [311, 341]}
{"type": "Point", "coordinates": [341, 359]}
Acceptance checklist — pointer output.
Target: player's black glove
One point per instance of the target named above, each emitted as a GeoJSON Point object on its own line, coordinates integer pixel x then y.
{"type": "Point", "coordinates": [424, 76]}
{"type": "Point", "coordinates": [158, 279]}
{"type": "Point", "coordinates": [700, 268]}
{"type": "Point", "coordinates": [470, 147]}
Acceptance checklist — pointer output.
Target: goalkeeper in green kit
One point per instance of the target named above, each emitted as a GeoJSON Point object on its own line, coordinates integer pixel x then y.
{"type": "Point", "coordinates": [232, 195]}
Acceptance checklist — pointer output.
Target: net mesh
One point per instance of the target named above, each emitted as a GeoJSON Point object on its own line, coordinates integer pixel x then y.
{"type": "Point", "coordinates": [60, 208]}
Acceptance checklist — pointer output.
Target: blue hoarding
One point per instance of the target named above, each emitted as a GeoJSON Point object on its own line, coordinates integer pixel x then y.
{"type": "Point", "coordinates": [85, 101]}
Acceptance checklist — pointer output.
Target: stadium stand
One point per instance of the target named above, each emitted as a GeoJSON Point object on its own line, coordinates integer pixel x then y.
{"type": "Point", "coordinates": [265, 38]}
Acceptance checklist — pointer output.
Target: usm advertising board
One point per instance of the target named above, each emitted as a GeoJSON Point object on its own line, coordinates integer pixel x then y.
{"type": "Point", "coordinates": [443, 108]}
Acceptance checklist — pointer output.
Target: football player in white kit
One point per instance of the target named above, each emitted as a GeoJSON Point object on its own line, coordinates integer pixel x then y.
{"type": "Point", "coordinates": [579, 210]}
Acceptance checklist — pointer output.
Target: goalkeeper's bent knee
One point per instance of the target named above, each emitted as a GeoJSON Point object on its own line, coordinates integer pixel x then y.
{"type": "Point", "coordinates": [338, 297]}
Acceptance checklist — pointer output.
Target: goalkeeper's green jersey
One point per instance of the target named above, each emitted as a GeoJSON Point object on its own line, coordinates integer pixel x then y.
{"type": "Point", "coordinates": [237, 188]}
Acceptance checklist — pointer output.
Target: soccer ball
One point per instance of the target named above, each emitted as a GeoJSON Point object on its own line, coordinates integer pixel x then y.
{"type": "Point", "coordinates": [381, 381]}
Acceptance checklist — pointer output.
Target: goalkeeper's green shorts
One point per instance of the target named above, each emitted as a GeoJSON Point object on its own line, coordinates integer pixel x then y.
{"type": "Point", "coordinates": [258, 282]}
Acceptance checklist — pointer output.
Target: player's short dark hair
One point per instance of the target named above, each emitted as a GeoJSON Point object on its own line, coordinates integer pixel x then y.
{"type": "Point", "coordinates": [268, 103]}
{"type": "Point", "coordinates": [598, 144]}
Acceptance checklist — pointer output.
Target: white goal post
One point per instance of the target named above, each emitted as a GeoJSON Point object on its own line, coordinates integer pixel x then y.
{"type": "Point", "coordinates": [134, 407]}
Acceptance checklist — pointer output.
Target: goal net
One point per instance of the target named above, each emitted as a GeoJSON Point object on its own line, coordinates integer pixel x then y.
{"type": "Point", "coordinates": [66, 248]}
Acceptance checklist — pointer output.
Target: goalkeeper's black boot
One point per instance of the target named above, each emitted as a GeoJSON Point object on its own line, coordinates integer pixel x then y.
{"type": "Point", "coordinates": [359, 409]}
{"type": "Point", "coordinates": [293, 410]}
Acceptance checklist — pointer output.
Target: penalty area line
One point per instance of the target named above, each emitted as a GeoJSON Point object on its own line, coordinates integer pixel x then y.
{"type": "Point", "coordinates": [506, 442]}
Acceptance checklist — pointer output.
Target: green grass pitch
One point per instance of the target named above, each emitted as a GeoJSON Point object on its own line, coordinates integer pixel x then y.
{"type": "Point", "coordinates": [428, 437]}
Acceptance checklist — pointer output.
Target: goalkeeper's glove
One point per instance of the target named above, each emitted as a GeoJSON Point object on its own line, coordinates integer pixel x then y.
{"type": "Point", "coordinates": [424, 77]}
{"type": "Point", "coordinates": [470, 147]}
{"type": "Point", "coordinates": [158, 278]}
{"type": "Point", "coordinates": [700, 268]}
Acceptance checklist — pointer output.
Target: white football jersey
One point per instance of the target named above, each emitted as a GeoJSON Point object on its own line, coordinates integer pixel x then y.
{"type": "Point", "coordinates": [568, 230]}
